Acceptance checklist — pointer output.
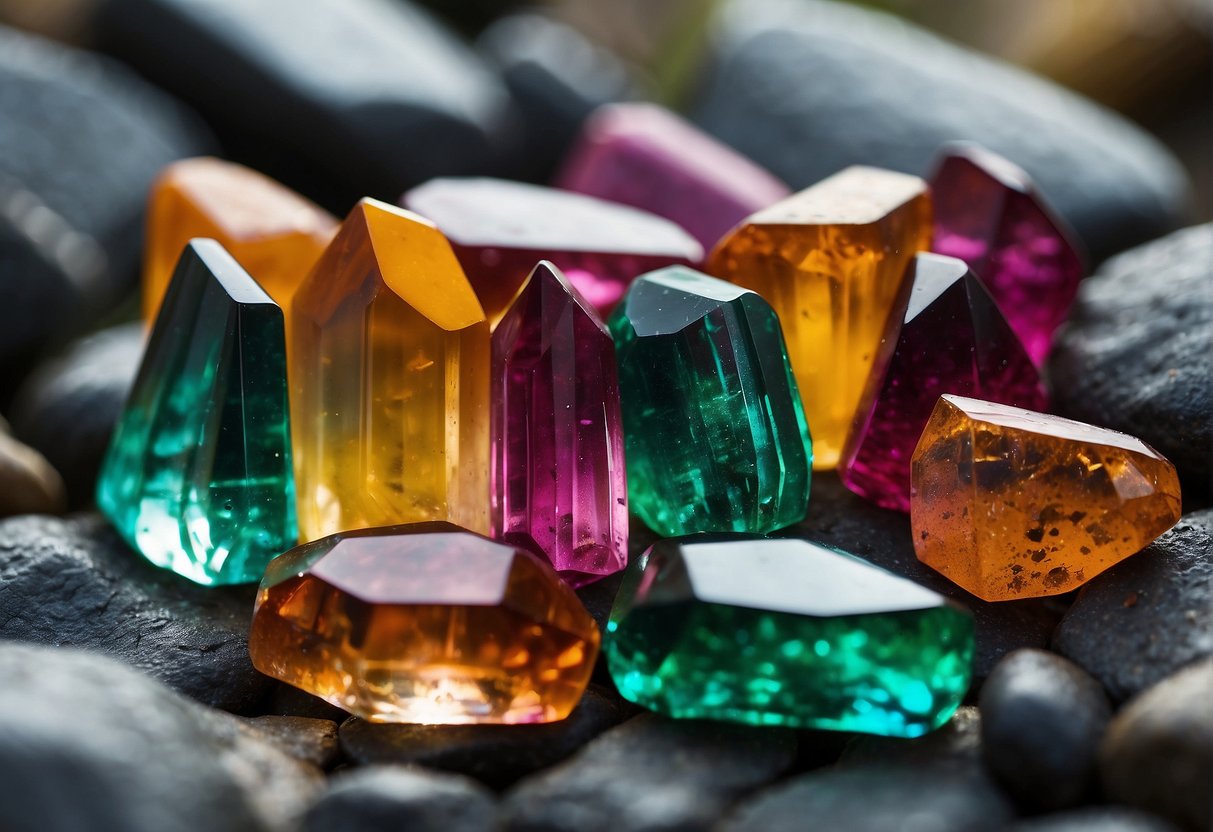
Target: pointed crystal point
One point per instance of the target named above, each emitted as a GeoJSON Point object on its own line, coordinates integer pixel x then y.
{"type": "Point", "coordinates": [715, 432]}
{"type": "Point", "coordinates": [558, 479]}
{"type": "Point", "coordinates": [389, 359]}
{"type": "Point", "coordinates": [952, 339]}
{"type": "Point", "coordinates": [1010, 503]}
{"type": "Point", "coordinates": [198, 473]}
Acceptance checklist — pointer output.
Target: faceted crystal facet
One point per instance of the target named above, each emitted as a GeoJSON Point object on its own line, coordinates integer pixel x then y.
{"type": "Point", "coordinates": [274, 233]}
{"type": "Point", "coordinates": [786, 632]}
{"type": "Point", "coordinates": [198, 474]}
{"type": "Point", "coordinates": [831, 260]}
{"type": "Point", "coordinates": [389, 360]}
{"type": "Point", "coordinates": [501, 229]}
{"type": "Point", "coordinates": [953, 339]}
{"type": "Point", "coordinates": [558, 478]}
{"type": "Point", "coordinates": [988, 213]}
{"type": "Point", "coordinates": [645, 156]}
{"type": "Point", "coordinates": [424, 623]}
{"type": "Point", "coordinates": [1011, 504]}
{"type": "Point", "coordinates": [715, 432]}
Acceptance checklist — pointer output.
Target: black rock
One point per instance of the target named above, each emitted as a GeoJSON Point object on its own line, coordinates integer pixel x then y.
{"type": "Point", "coordinates": [74, 583]}
{"type": "Point", "coordinates": [651, 773]}
{"type": "Point", "coordinates": [494, 754]}
{"type": "Point", "coordinates": [1158, 752]}
{"type": "Point", "coordinates": [1137, 352]}
{"type": "Point", "coordinates": [288, 700]}
{"type": "Point", "coordinates": [310, 740]}
{"type": "Point", "coordinates": [806, 88]}
{"type": "Point", "coordinates": [1042, 721]}
{"type": "Point", "coordinates": [1094, 819]}
{"type": "Point", "coordinates": [957, 744]}
{"type": "Point", "coordinates": [394, 798]}
{"type": "Point", "coordinates": [1148, 616]}
{"type": "Point", "coordinates": [68, 408]}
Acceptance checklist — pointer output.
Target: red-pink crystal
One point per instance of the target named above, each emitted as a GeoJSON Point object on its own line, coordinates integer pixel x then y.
{"type": "Point", "coordinates": [989, 214]}
{"type": "Point", "coordinates": [559, 485]}
{"type": "Point", "coordinates": [952, 339]}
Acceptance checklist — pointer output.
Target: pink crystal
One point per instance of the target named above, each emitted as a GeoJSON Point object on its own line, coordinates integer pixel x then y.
{"type": "Point", "coordinates": [645, 156]}
{"type": "Point", "coordinates": [989, 214]}
{"type": "Point", "coordinates": [952, 339]}
{"type": "Point", "coordinates": [558, 479]}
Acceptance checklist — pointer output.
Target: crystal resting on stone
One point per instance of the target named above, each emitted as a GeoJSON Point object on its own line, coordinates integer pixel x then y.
{"type": "Point", "coordinates": [786, 632]}
{"type": "Point", "coordinates": [424, 623]}
{"type": "Point", "coordinates": [198, 473]}
{"type": "Point", "coordinates": [715, 433]}
{"type": "Point", "coordinates": [558, 480]}
{"type": "Point", "coordinates": [1009, 503]}
{"type": "Point", "coordinates": [951, 338]}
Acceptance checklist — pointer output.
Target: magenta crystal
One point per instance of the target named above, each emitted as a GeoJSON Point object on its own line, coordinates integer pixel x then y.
{"type": "Point", "coordinates": [645, 156]}
{"type": "Point", "coordinates": [559, 485]}
{"type": "Point", "coordinates": [989, 214]}
{"type": "Point", "coordinates": [952, 339]}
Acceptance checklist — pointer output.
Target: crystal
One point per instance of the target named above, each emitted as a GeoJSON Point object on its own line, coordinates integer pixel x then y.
{"type": "Point", "coordinates": [831, 260]}
{"type": "Point", "coordinates": [197, 477]}
{"type": "Point", "coordinates": [645, 156]}
{"type": "Point", "coordinates": [952, 339]}
{"type": "Point", "coordinates": [1009, 503]}
{"type": "Point", "coordinates": [389, 361]}
{"type": "Point", "coordinates": [989, 214]}
{"type": "Point", "coordinates": [558, 481]}
{"type": "Point", "coordinates": [273, 232]}
{"type": "Point", "coordinates": [786, 632]}
{"type": "Point", "coordinates": [424, 623]}
{"type": "Point", "coordinates": [501, 229]}
{"type": "Point", "coordinates": [715, 434]}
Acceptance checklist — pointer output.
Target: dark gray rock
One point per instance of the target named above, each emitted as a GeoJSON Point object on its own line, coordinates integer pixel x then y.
{"type": "Point", "coordinates": [1137, 352]}
{"type": "Point", "coordinates": [651, 773]}
{"type": "Point", "coordinates": [957, 744]}
{"type": "Point", "coordinates": [1148, 616]}
{"type": "Point", "coordinates": [394, 798]}
{"type": "Point", "coordinates": [310, 740]}
{"type": "Point", "coordinates": [86, 743]}
{"type": "Point", "coordinates": [1094, 819]}
{"type": "Point", "coordinates": [1042, 721]}
{"type": "Point", "coordinates": [68, 408]}
{"type": "Point", "coordinates": [288, 700]}
{"type": "Point", "coordinates": [807, 88]}
{"type": "Point", "coordinates": [74, 583]}
{"type": "Point", "coordinates": [1158, 752]}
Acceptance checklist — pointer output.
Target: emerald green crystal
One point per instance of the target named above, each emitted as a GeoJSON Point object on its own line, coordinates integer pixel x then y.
{"type": "Point", "coordinates": [198, 473]}
{"type": "Point", "coordinates": [786, 632]}
{"type": "Point", "coordinates": [715, 434]}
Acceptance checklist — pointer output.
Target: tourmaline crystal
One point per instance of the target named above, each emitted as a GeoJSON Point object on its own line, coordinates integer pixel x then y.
{"type": "Point", "coordinates": [831, 260]}
{"type": "Point", "coordinates": [389, 360]}
{"type": "Point", "coordinates": [198, 473]}
{"type": "Point", "coordinates": [558, 478]}
{"type": "Point", "coordinates": [274, 233]}
{"type": "Point", "coordinates": [424, 623]}
{"type": "Point", "coordinates": [952, 339]}
{"type": "Point", "coordinates": [501, 229]}
{"type": "Point", "coordinates": [989, 214]}
{"type": "Point", "coordinates": [1010, 504]}
{"type": "Point", "coordinates": [786, 632]}
{"type": "Point", "coordinates": [715, 433]}
{"type": "Point", "coordinates": [645, 156]}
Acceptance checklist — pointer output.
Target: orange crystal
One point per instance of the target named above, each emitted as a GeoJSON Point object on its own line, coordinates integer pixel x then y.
{"type": "Point", "coordinates": [831, 260]}
{"type": "Point", "coordinates": [424, 623]}
{"type": "Point", "coordinates": [273, 232]}
{"type": "Point", "coordinates": [1010, 503]}
{"type": "Point", "coordinates": [388, 356]}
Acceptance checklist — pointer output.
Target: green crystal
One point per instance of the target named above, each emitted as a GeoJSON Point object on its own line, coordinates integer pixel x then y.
{"type": "Point", "coordinates": [786, 632]}
{"type": "Point", "coordinates": [715, 434]}
{"type": "Point", "coordinates": [198, 473]}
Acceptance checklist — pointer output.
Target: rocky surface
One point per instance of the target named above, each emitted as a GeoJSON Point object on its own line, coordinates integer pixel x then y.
{"type": "Point", "coordinates": [310, 740]}
{"type": "Point", "coordinates": [385, 798]}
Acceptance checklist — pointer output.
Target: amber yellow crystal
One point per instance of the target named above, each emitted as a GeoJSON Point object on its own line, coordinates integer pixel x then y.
{"type": "Point", "coordinates": [831, 260]}
{"type": "Point", "coordinates": [388, 358]}
{"type": "Point", "coordinates": [273, 232]}
{"type": "Point", "coordinates": [1011, 503]}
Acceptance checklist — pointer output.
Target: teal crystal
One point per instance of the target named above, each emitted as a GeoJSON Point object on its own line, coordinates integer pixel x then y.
{"type": "Point", "coordinates": [769, 631]}
{"type": "Point", "coordinates": [198, 473]}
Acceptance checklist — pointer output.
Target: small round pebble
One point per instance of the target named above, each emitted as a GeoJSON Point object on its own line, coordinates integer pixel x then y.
{"type": "Point", "coordinates": [1094, 819]}
{"type": "Point", "coordinates": [28, 483]}
{"type": "Point", "coordinates": [396, 798]}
